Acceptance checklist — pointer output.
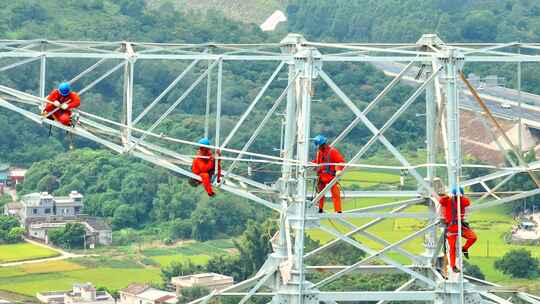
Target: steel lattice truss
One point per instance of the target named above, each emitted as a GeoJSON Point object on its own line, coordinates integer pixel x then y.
{"type": "Point", "coordinates": [284, 277]}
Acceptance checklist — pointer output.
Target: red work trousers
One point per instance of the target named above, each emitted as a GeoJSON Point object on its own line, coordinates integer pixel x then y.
{"type": "Point", "coordinates": [452, 235]}
{"type": "Point", "coordinates": [207, 184]}
{"type": "Point", "coordinates": [325, 179]}
{"type": "Point", "coordinates": [62, 116]}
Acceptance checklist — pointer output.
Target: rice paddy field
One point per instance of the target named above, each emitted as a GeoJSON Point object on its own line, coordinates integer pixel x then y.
{"type": "Point", "coordinates": [114, 269]}
{"type": "Point", "coordinates": [24, 252]}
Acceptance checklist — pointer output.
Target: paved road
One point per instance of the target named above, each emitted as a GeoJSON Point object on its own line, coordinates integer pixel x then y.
{"type": "Point", "coordinates": [63, 255]}
{"type": "Point", "coordinates": [494, 97]}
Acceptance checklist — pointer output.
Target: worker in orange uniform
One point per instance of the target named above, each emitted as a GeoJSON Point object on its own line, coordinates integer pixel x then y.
{"type": "Point", "coordinates": [450, 213]}
{"type": "Point", "coordinates": [204, 165]}
{"type": "Point", "coordinates": [327, 157]}
{"type": "Point", "coordinates": [62, 101]}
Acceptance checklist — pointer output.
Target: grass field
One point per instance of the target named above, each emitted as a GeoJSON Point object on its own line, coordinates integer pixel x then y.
{"type": "Point", "coordinates": [115, 269]}
{"type": "Point", "coordinates": [24, 252]}
{"type": "Point", "coordinates": [369, 178]}
{"type": "Point", "coordinates": [27, 282]}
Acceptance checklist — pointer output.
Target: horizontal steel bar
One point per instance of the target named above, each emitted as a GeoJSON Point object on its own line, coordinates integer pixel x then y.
{"type": "Point", "coordinates": [423, 215]}
{"type": "Point", "coordinates": [355, 296]}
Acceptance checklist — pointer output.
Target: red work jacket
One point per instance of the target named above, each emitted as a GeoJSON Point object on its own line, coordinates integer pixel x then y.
{"type": "Point", "coordinates": [72, 97]}
{"type": "Point", "coordinates": [203, 163]}
{"type": "Point", "coordinates": [326, 155]}
{"type": "Point", "coordinates": [450, 207]}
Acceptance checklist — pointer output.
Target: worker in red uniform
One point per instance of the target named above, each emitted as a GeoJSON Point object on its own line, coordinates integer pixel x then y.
{"type": "Point", "coordinates": [327, 157]}
{"type": "Point", "coordinates": [62, 101]}
{"type": "Point", "coordinates": [450, 213]}
{"type": "Point", "coordinates": [204, 165]}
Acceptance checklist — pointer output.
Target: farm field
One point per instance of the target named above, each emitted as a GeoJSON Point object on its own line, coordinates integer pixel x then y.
{"type": "Point", "coordinates": [24, 252]}
{"type": "Point", "coordinates": [116, 269]}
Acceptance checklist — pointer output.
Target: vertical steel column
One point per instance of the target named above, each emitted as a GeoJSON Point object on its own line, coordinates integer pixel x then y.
{"type": "Point", "coordinates": [291, 44]}
{"type": "Point", "coordinates": [306, 60]}
{"type": "Point", "coordinates": [218, 102]}
{"type": "Point", "coordinates": [431, 126]}
{"type": "Point", "coordinates": [452, 118]}
{"type": "Point", "coordinates": [520, 105]}
{"type": "Point", "coordinates": [453, 63]}
{"type": "Point", "coordinates": [431, 146]}
{"type": "Point", "coordinates": [208, 97]}
{"type": "Point", "coordinates": [42, 71]}
{"type": "Point", "coordinates": [302, 145]}
{"type": "Point", "coordinates": [128, 101]}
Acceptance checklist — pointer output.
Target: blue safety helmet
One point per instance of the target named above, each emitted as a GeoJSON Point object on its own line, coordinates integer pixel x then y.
{"type": "Point", "coordinates": [455, 191]}
{"type": "Point", "coordinates": [320, 140]}
{"type": "Point", "coordinates": [204, 141]}
{"type": "Point", "coordinates": [64, 89]}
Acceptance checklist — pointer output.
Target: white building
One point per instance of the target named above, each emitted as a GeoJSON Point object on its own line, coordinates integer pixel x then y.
{"type": "Point", "coordinates": [212, 281]}
{"type": "Point", "coordinates": [40, 212]}
{"type": "Point", "coordinates": [43, 206]}
{"type": "Point", "coordinates": [80, 294]}
{"type": "Point", "coordinates": [144, 294]}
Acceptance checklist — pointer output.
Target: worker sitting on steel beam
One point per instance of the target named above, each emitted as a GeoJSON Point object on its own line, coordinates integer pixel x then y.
{"type": "Point", "coordinates": [328, 157]}
{"type": "Point", "coordinates": [62, 101]}
{"type": "Point", "coordinates": [449, 206]}
{"type": "Point", "coordinates": [204, 165]}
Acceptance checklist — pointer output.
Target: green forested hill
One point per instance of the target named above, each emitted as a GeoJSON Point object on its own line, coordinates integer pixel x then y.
{"type": "Point", "coordinates": [406, 21]}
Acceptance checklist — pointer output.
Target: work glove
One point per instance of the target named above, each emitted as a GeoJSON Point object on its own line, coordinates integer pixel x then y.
{"type": "Point", "coordinates": [64, 106]}
{"type": "Point", "coordinates": [56, 103]}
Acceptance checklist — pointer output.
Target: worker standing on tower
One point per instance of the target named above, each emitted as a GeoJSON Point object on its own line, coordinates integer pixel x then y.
{"type": "Point", "coordinates": [450, 213]}
{"type": "Point", "coordinates": [204, 165]}
{"type": "Point", "coordinates": [328, 158]}
{"type": "Point", "coordinates": [62, 101]}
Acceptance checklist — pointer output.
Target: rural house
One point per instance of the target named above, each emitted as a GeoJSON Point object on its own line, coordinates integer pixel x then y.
{"type": "Point", "coordinates": [80, 294]}
{"type": "Point", "coordinates": [212, 281]}
{"type": "Point", "coordinates": [144, 294]}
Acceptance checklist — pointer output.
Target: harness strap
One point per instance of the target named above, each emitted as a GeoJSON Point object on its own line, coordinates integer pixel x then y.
{"type": "Point", "coordinates": [325, 160]}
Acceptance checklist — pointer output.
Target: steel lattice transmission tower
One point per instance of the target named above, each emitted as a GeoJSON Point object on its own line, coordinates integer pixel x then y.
{"type": "Point", "coordinates": [285, 277]}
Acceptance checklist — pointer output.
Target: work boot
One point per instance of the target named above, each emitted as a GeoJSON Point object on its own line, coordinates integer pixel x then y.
{"type": "Point", "coordinates": [456, 270]}
{"type": "Point", "coordinates": [320, 210]}
{"type": "Point", "coordinates": [465, 254]}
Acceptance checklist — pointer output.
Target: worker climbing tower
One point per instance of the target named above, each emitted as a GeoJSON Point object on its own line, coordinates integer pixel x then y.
{"type": "Point", "coordinates": [433, 67]}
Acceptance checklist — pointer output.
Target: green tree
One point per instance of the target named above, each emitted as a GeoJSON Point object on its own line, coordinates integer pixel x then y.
{"type": "Point", "coordinates": [8, 222]}
{"type": "Point", "coordinates": [124, 216]}
{"type": "Point", "coordinates": [518, 263]}
{"type": "Point", "coordinates": [15, 235]}
{"type": "Point", "coordinates": [192, 293]}
{"type": "Point", "coordinates": [71, 236]}
{"type": "Point", "coordinates": [473, 271]}
{"type": "Point", "coordinates": [178, 268]}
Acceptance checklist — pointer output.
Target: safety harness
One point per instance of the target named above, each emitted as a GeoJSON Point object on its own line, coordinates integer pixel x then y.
{"type": "Point", "coordinates": [454, 209]}
{"type": "Point", "coordinates": [326, 160]}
